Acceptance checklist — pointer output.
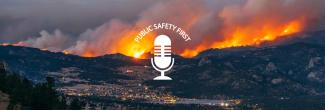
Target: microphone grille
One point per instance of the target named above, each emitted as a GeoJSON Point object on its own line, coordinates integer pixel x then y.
{"type": "Point", "coordinates": [157, 51]}
{"type": "Point", "coordinates": [162, 46]}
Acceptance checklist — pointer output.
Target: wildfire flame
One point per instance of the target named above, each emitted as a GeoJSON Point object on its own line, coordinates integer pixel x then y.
{"type": "Point", "coordinates": [250, 36]}
{"type": "Point", "coordinates": [88, 54]}
{"type": "Point", "coordinates": [211, 24]}
{"type": "Point", "coordinates": [127, 46]}
{"type": "Point", "coordinates": [250, 24]}
{"type": "Point", "coordinates": [15, 44]}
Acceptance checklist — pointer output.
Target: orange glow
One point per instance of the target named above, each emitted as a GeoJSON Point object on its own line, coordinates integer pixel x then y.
{"type": "Point", "coordinates": [292, 27]}
{"type": "Point", "coordinates": [250, 35]}
{"type": "Point", "coordinates": [138, 54]}
{"type": "Point", "coordinates": [21, 43]}
{"type": "Point", "coordinates": [232, 35]}
{"type": "Point", "coordinates": [66, 52]}
{"type": "Point", "coordinates": [45, 49]}
{"type": "Point", "coordinates": [5, 44]}
{"type": "Point", "coordinates": [88, 54]}
{"type": "Point", "coordinates": [129, 47]}
{"type": "Point", "coordinates": [190, 53]}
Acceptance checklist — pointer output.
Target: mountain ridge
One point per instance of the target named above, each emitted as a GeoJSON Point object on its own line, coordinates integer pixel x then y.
{"type": "Point", "coordinates": [291, 69]}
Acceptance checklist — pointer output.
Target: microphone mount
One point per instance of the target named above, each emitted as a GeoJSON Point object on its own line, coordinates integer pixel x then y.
{"type": "Point", "coordinates": [162, 70]}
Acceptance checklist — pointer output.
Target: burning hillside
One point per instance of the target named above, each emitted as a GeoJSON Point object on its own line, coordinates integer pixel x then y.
{"type": "Point", "coordinates": [250, 35]}
{"type": "Point", "coordinates": [220, 24]}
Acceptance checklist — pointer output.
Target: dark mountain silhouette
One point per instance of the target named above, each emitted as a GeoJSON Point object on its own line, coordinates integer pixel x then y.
{"type": "Point", "coordinates": [292, 67]}
{"type": "Point", "coordinates": [288, 70]}
{"type": "Point", "coordinates": [35, 63]}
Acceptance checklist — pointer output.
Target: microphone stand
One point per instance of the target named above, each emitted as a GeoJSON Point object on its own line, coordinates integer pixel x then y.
{"type": "Point", "coordinates": [162, 71]}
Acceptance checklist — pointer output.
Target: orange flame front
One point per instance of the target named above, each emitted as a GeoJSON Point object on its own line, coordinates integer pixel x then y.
{"type": "Point", "coordinates": [125, 45]}
{"type": "Point", "coordinates": [251, 35]}
{"type": "Point", "coordinates": [233, 36]}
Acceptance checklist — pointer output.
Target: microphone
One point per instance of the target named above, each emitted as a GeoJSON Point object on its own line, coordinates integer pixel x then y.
{"type": "Point", "coordinates": [162, 60]}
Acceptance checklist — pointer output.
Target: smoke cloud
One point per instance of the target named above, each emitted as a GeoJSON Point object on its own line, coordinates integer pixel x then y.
{"type": "Point", "coordinates": [55, 42]}
{"type": "Point", "coordinates": [97, 27]}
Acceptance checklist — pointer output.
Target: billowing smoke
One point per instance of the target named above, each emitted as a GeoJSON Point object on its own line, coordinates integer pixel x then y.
{"type": "Point", "coordinates": [101, 40]}
{"type": "Point", "coordinates": [211, 24]}
{"type": "Point", "coordinates": [54, 42]}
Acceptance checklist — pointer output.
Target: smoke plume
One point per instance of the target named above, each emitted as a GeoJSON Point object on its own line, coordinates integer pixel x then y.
{"type": "Point", "coordinates": [211, 24]}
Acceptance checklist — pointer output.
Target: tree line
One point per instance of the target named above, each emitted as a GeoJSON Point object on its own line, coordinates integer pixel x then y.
{"type": "Point", "coordinates": [24, 95]}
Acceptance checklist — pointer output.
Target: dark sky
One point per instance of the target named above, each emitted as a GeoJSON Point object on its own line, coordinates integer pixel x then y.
{"type": "Point", "coordinates": [21, 19]}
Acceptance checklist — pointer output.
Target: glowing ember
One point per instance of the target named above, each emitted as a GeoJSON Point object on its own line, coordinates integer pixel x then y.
{"type": "Point", "coordinates": [88, 54]}
{"type": "Point", "coordinates": [138, 54]}
{"type": "Point", "coordinates": [44, 49]}
{"type": "Point", "coordinates": [5, 44]}
{"type": "Point", "coordinates": [66, 52]}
